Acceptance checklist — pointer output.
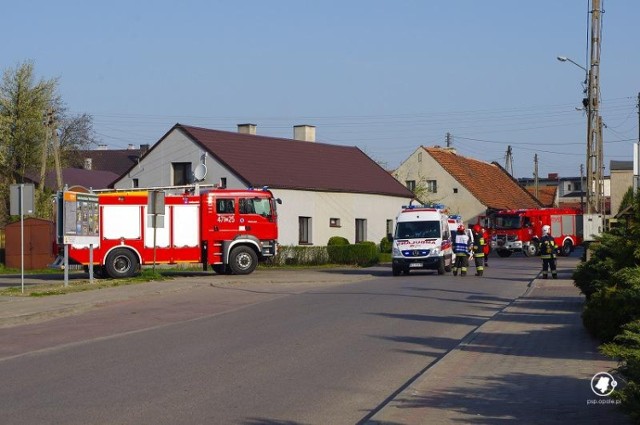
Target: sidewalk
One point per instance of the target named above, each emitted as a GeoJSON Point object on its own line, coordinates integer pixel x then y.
{"type": "Point", "coordinates": [532, 363]}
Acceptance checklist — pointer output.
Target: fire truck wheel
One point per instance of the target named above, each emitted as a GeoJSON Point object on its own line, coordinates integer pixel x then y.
{"type": "Point", "coordinates": [504, 253]}
{"type": "Point", "coordinates": [243, 260]}
{"type": "Point", "coordinates": [531, 250]}
{"type": "Point", "coordinates": [566, 249]}
{"type": "Point", "coordinates": [121, 263]}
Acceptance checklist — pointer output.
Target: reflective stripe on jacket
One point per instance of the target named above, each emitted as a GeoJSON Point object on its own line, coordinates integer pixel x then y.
{"type": "Point", "coordinates": [548, 247]}
{"type": "Point", "coordinates": [461, 244]}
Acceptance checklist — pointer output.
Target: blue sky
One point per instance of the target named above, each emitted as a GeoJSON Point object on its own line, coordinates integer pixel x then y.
{"type": "Point", "coordinates": [386, 76]}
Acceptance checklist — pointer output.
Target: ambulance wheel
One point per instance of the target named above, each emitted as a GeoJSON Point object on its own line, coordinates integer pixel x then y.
{"type": "Point", "coordinates": [121, 263]}
{"type": "Point", "coordinates": [243, 260]}
{"type": "Point", "coordinates": [566, 249]}
{"type": "Point", "coordinates": [396, 271]}
{"type": "Point", "coordinates": [441, 268]}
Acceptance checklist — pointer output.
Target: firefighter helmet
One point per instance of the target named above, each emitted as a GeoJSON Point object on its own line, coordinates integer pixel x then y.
{"type": "Point", "coordinates": [546, 229]}
{"type": "Point", "coordinates": [477, 228]}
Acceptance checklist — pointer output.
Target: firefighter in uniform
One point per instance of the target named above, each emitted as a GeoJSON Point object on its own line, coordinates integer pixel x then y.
{"type": "Point", "coordinates": [462, 250]}
{"type": "Point", "coordinates": [478, 249]}
{"type": "Point", "coordinates": [548, 250]}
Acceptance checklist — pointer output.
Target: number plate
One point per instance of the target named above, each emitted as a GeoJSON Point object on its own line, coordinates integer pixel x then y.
{"type": "Point", "coordinates": [415, 265]}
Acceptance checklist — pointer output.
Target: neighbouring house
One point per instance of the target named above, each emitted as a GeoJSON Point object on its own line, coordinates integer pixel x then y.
{"type": "Point", "coordinates": [621, 181]}
{"type": "Point", "coordinates": [570, 191]}
{"type": "Point", "coordinates": [326, 190]}
{"type": "Point", "coordinates": [467, 186]}
{"type": "Point", "coordinates": [92, 169]}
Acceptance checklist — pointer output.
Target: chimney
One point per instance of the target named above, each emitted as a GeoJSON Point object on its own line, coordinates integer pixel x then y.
{"type": "Point", "coordinates": [247, 128]}
{"type": "Point", "coordinates": [305, 133]}
{"type": "Point", "coordinates": [131, 147]}
{"type": "Point", "coordinates": [552, 176]}
{"type": "Point", "coordinates": [144, 148]}
{"type": "Point", "coordinates": [102, 147]}
{"type": "Point", "coordinates": [88, 163]}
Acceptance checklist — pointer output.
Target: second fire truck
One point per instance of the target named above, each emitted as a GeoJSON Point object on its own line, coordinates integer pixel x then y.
{"type": "Point", "coordinates": [520, 230]}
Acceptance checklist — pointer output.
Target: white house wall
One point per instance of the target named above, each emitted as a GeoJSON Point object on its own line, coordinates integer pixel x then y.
{"type": "Point", "coordinates": [323, 206]}
{"type": "Point", "coordinates": [155, 169]}
{"type": "Point", "coordinates": [421, 166]}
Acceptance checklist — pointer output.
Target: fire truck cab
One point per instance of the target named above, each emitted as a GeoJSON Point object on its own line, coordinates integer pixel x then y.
{"type": "Point", "coordinates": [520, 230]}
{"type": "Point", "coordinates": [422, 240]}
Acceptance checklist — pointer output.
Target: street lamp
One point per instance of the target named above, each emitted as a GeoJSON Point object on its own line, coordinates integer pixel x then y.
{"type": "Point", "coordinates": [566, 59]}
{"type": "Point", "coordinates": [594, 137]}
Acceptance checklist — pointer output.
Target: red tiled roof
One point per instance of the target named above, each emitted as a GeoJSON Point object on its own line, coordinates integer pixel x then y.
{"type": "Point", "coordinates": [546, 194]}
{"type": "Point", "coordinates": [489, 183]}
{"type": "Point", "coordinates": [292, 164]}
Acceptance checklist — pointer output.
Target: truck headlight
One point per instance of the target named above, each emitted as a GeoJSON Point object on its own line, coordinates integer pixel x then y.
{"type": "Point", "coordinates": [435, 251]}
{"type": "Point", "coordinates": [396, 252]}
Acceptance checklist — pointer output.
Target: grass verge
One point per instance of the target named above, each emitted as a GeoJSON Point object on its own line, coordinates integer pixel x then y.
{"type": "Point", "coordinates": [45, 290]}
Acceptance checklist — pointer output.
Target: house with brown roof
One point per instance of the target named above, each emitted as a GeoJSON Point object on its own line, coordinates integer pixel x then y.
{"type": "Point", "coordinates": [326, 190]}
{"type": "Point", "coordinates": [547, 195]}
{"type": "Point", "coordinates": [467, 186]}
{"type": "Point", "coordinates": [92, 169]}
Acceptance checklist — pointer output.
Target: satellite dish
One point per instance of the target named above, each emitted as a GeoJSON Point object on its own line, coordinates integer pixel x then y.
{"type": "Point", "coordinates": [200, 172]}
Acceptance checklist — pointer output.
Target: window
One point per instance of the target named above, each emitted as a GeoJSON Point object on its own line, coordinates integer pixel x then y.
{"type": "Point", "coordinates": [225, 206]}
{"type": "Point", "coordinates": [334, 222]}
{"type": "Point", "coordinates": [304, 230]}
{"type": "Point", "coordinates": [255, 206]}
{"type": "Point", "coordinates": [419, 156]}
{"type": "Point", "coordinates": [569, 187]}
{"type": "Point", "coordinates": [411, 185]}
{"type": "Point", "coordinates": [135, 183]}
{"type": "Point", "coordinates": [455, 190]}
{"type": "Point", "coordinates": [432, 186]}
{"type": "Point", "coordinates": [389, 227]}
{"type": "Point", "coordinates": [181, 173]}
{"type": "Point", "coordinates": [223, 182]}
{"type": "Point", "coordinates": [361, 230]}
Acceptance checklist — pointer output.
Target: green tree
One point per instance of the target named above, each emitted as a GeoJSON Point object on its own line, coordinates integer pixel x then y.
{"type": "Point", "coordinates": [35, 133]}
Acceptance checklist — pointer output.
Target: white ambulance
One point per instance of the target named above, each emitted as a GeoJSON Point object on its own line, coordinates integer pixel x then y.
{"type": "Point", "coordinates": [422, 240]}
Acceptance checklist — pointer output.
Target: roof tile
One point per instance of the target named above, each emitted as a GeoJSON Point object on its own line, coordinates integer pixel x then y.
{"type": "Point", "coordinates": [489, 183]}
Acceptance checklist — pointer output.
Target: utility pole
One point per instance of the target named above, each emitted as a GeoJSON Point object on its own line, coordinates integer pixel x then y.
{"type": "Point", "coordinates": [581, 187]}
{"type": "Point", "coordinates": [535, 174]}
{"type": "Point", "coordinates": [595, 184]}
{"type": "Point", "coordinates": [448, 139]}
{"type": "Point", "coordinates": [508, 161]}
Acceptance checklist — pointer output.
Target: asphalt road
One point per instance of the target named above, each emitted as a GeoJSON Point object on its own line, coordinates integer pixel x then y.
{"type": "Point", "coordinates": [318, 351]}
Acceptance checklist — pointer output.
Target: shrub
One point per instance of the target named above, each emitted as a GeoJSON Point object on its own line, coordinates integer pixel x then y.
{"type": "Point", "coordinates": [625, 348]}
{"type": "Point", "coordinates": [337, 240]}
{"type": "Point", "coordinates": [610, 253]}
{"type": "Point", "coordinates": [300, 255]}
{"type": "Point", "coordinates": [385, 245]}
{"type": "Point", "coordinates": [361, 254]}
{"type": "Point", "coordinates": [609, 309]}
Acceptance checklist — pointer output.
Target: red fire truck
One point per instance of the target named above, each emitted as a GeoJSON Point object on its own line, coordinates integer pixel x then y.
{"type": "Point", "coordinates": [230, 230]}
{"type": "Point", "coordinates": [520, 230]}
